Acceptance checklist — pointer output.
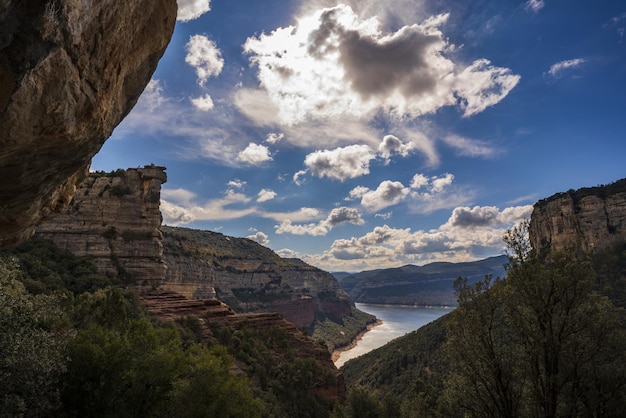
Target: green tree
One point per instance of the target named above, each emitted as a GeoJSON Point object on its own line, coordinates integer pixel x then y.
{"type": "Point", "coordinates": [542, 342]}
{"type": "Point", "coordinates": [207, 388]}
{"type": "Point", "coordinates": [32, 336]}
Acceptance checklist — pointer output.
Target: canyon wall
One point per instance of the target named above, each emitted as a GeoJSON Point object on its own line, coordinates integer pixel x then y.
{"type": "Point", "coordinates": [114, 218]}
{"type": "Point", "coordinates": [250, 277]}
{"type": "Point", "coordinates": [70, 71]}
{"type": "Point", "coordinates": [587, 219]}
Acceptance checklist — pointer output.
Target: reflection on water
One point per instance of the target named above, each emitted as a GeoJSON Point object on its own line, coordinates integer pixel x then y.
{"type": "Point", "coordinates": [397, 321]}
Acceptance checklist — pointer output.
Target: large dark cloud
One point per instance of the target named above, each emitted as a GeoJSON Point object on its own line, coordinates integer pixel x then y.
{"type": "Point", "coordinates": [378, 66]}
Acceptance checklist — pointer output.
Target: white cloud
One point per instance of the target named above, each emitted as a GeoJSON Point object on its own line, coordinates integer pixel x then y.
{"type": "Point", "coordinates": [313, 229]}
{"type": "Point", "coordinates": [393, 145]}
{"type": "Point", "coordinates": [301, 215]}
{"type": "Point", "coordinates": [341, 215]}
{"type": "Point", "coordinates": [274, 138]}
{"type": "Point", "coordinates": [236, 184]}
{"type": "Point", "coordinates": [259, 237]}
{"type": "Point", "coordinates": [254, 154]}
{"type": "Point", "coordinates": [204, 103]}
{"type": "Point", "coordinates": [440, 183]}
{"type": "Point", "coordinates": [205, 57]}
{"type": "Point", "coordinates": [557, 69]}
{"type": "Point", "coordinates": [470, 147]}
{"type": "Point", "coordinates": [534, 6]}
{"type": "Point", "coordinates": [333, 64]}
{"type": "Point", "coordinates": [336, 217]}
{"type": "Point", "coordinates": [265, 195]}
{"type": "Point", "coordinates": [174, 214]}
{"type": "Point", "coordinates": [192, 9]}
{"type": "Point", "coordinates": [482, 85]}
{"type": "Point", "coordinates": [469, 234]}
{"type": "Point", "coordinates": [181, 206]}
{"type": "Point", "coordinates": [419, 181]}
{"type": "Point", "coordinates": [341, 163]}
{"type": "Point", "coordinates": [297, 177]}
{"type": "Point", "coordinates": [388, 193]}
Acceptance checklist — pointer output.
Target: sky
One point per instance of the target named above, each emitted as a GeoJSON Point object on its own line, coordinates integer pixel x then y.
{"type": "Point", "coordinates": [374, 134]}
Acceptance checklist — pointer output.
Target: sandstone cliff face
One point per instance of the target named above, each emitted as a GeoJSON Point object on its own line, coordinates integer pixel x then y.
{"type": "Point", "coordinates": [115, 219]}
{"type": "Point", "coordinates": [70, 70]}
{"type": "Point", "coordinates": [250, 277]}
{"type": "Point", "coordinates": [588, 219]}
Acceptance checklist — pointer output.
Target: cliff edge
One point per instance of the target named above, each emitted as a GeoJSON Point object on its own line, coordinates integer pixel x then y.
{"type": "Point", "coordinates": [114, 218]}
{"type": "Point", "coordinates": [70, 71]}
{"type": "Point", "coordinates": [591, 218]}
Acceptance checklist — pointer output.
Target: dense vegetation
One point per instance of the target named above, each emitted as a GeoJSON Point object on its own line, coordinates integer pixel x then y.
{"type": "Point", "coordinates": [549, 340]}
{"type": "Point", "coordinates": [73, 345]}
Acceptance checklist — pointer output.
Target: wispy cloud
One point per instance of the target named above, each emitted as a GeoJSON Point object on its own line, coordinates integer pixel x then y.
{"type": "Point", "coordinates": [533, 6]}
{"type": "Point", "coordinates": [470, 147]}
{"type": "Point", "coordinates": [556, 70]}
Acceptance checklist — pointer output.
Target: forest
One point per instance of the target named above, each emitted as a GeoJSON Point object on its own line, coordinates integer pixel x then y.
{"type": "Point", "coordinates": [548, 340]}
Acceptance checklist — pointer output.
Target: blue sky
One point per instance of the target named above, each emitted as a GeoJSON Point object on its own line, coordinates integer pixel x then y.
{"type": "Point", "coordinates": [372, 134]}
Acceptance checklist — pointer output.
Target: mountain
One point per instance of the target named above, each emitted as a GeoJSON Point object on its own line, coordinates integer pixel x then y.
{"type": "Point", "coordinates": [114, 219]}
{"type": "Point", "coordinates": [428, 285]}
{"type": "Point", "coordinates": [414, 370]}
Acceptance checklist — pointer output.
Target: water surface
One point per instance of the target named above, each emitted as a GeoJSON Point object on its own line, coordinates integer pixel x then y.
{"type": "Point", "coordinates": [397, 321]}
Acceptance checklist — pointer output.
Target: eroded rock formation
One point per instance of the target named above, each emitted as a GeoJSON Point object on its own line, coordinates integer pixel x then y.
{"type": "Point", "coordinates": [115, 218]}
{"type": "Point", "coordinates": [250, 277]}
{"type": "Point", "coordinates": [70, 70]}
{"type": "Point", "coordinates": [587, 219]}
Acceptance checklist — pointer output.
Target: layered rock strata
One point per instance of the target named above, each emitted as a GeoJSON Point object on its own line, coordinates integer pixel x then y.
{"type": "Point", "coordinates": [250, 278]}
{"type": "Point", "coordinates": [587, 219]}
{"type": "Point", "coordinates": [70, 70]}
{"type": "Point", "coordinates": [114, 218]}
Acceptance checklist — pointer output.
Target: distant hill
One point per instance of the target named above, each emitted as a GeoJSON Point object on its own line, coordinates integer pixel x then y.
{"type": "Point", "coordinates": [428, 285]}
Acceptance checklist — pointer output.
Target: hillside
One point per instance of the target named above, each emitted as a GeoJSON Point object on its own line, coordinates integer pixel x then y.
{"type": "Point", "coordinates": [428, 285]}
{"type": "Point", "coordinates": [252, 278]}
{"type": "Point", "coordinates": [478, 360]}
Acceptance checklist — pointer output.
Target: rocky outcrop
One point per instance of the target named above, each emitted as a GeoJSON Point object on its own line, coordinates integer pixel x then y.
{"type": "Point", "coordinates": [250, 277]}
{"type": "Point", "coordinates": [70, 70]}
{"type": "Point", "coordinates": [114, 218]}
{"type": "Point", "coordinates": [587, 219]}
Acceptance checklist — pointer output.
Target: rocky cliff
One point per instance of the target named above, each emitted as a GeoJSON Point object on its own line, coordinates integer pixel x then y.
{"type": "Point", "coordinates": [70, 70]}
{"type": "Point", "coordinates": [250, 277]}
{"type": "Point", "coordinates": [115, 218]}
{"type": "Point", "coordinates": [588, 219]}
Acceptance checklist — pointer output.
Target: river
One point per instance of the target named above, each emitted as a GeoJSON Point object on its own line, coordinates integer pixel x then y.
{"type": "Point", "coordinates": [396, 321]}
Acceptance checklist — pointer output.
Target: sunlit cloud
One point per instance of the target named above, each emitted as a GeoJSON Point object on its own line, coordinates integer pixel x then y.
{"type": "Point", "coordinates": [265, 195]}
{"type": "Point", "coordinates": [259, 237]}
{"type": "Point", "coordinates": [341, 163]}
{"type": "Point", "coordinates": [204, 103]}
{"type": "Point", "coordinates": [467, 233]}
{"type": "Point", "coordinates": [254, 154]}
{"type": "Point", "coordinates": [336, 217]}
{"type": "Point", "coordinates": [192, 9]}
{"type": "Point", "coordinates": [205, 57]}
{"type": "Point", "coordinates": [333, 64]}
